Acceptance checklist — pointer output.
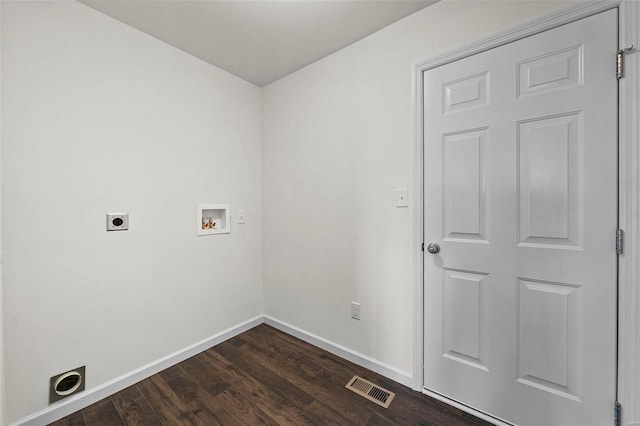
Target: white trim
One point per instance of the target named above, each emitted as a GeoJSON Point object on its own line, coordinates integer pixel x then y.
{"type": "Point", "coordinates": [3, 400]}
{"type": "Point", "coordinates": [629, 296]}
{"type": "Point", "coordinates": [362, 360]}
{"type": "Point", "coordinates": [91, 396]}
{"type": "Point", "coordinates": [72, 404]}
{"type": "Point", "coordinates": [418, 231]}
{"type": "Point", "coordinates": [477, 413]}
{"type": "Point", "coordinates": [578, 11]}
{"type": "Point", "coordinates": [571, 14]}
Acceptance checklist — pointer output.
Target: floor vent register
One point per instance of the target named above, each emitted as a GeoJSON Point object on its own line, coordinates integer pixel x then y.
{"type": "Point", "coordinates": [370, 391]}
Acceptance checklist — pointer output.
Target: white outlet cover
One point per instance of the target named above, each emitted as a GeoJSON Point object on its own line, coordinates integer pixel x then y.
{"type": "Point", "coordinates": [117, 221]}
{"type": "Point", "coordinates": [242, 217]}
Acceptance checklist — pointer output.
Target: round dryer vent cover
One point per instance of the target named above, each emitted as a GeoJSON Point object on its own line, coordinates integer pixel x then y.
{"type": "Point", "coordinates": [66, 384]}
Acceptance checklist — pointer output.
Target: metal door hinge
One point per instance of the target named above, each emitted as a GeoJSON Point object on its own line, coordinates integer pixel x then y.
{"type": "Point", "coordinates": [620, 61]}
{"type": "Point", "coordinates": [617, 414]}
{"type": "Point", "coordinates": [619, 241]}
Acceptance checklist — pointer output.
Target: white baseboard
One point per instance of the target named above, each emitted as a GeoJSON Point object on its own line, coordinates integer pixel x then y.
{"type": "Point", "coordinates": [362, 360]}
{"type": "Point", "coordinates": [72, 404]}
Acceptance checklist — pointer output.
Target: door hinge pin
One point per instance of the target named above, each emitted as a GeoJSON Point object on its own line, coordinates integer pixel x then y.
{"type": "Point", "coordinates": [617, 414]}
{"type": "Point", "coordinates": [620, 61]}
{"type": "Point", "coordinates": [619, 241]}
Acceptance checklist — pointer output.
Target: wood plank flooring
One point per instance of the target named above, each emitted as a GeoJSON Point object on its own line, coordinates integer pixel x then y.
{"type": "Point", "coordinates": [263, 376]}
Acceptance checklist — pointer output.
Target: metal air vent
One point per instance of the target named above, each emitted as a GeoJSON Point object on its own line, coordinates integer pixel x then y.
{"type": "Point", "coordinates": [371, 391]}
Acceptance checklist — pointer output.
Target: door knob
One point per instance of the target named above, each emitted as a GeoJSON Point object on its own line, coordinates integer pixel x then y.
{"type": "Point", "coordinates": [433, 248]}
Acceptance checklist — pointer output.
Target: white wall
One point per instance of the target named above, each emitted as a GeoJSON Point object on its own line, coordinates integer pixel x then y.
{"type": "Point", "coordinates": [98, 117]}
{"type": "Point", "coordinates": [337, 143]}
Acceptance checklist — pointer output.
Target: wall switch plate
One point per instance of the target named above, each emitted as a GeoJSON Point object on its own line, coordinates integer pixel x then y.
{"type": "Point", "coordinates": [355, 310]}
{"type": "Point", "coordinates": [241, 216]}
{"type": "Point", "coordinates": [117, 221]}
{"type": "Point", "coordinates": [402, 197]}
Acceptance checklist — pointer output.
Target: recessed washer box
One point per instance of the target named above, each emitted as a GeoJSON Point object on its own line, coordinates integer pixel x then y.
{"type": "Point", "coordinates": [213, 219]}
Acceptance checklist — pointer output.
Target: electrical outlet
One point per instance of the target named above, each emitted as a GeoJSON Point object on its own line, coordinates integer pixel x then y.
{"type": "Point", "coordinates": [242, 216]}
{"type": "Point", "coordinates": [117, 221]}
{"type": "Point", "coordinates": [355, 310]}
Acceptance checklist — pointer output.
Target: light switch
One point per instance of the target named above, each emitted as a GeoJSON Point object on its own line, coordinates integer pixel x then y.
{"type": "Point", "coordinates": [402, 197]}
{"type": "Point", "coordinates": [241, 216]}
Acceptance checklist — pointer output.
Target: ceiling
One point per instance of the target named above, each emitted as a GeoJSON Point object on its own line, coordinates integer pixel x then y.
{"type": "Point", "coordinates": [259, 40]}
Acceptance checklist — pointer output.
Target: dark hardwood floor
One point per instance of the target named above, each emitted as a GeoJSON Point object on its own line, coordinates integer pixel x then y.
{"type": "Point", "coordinates": [264, 376]}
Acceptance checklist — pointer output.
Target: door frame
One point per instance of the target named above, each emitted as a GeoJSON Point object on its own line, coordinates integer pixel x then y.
{"type": "Point", "coordinates": [628, 392]}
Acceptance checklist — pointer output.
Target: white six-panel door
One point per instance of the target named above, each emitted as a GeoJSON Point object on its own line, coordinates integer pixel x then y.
{"type": "Point", "coordinates": [520, 170]}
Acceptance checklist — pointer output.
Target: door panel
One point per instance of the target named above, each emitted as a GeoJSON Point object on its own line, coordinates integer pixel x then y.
{"type": "Point", "coordinates": [463, 333]}
{"type": "Point", "coordinates": [521, 195]}
{"type": "Point", "coordinates": [553, 71]}
{"type": "Point", "coordinates": [550, 176]}
{"type": "Point", "coordinates": [464, 199]}
{"type": "Point", "coordinates": [549, 315]}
